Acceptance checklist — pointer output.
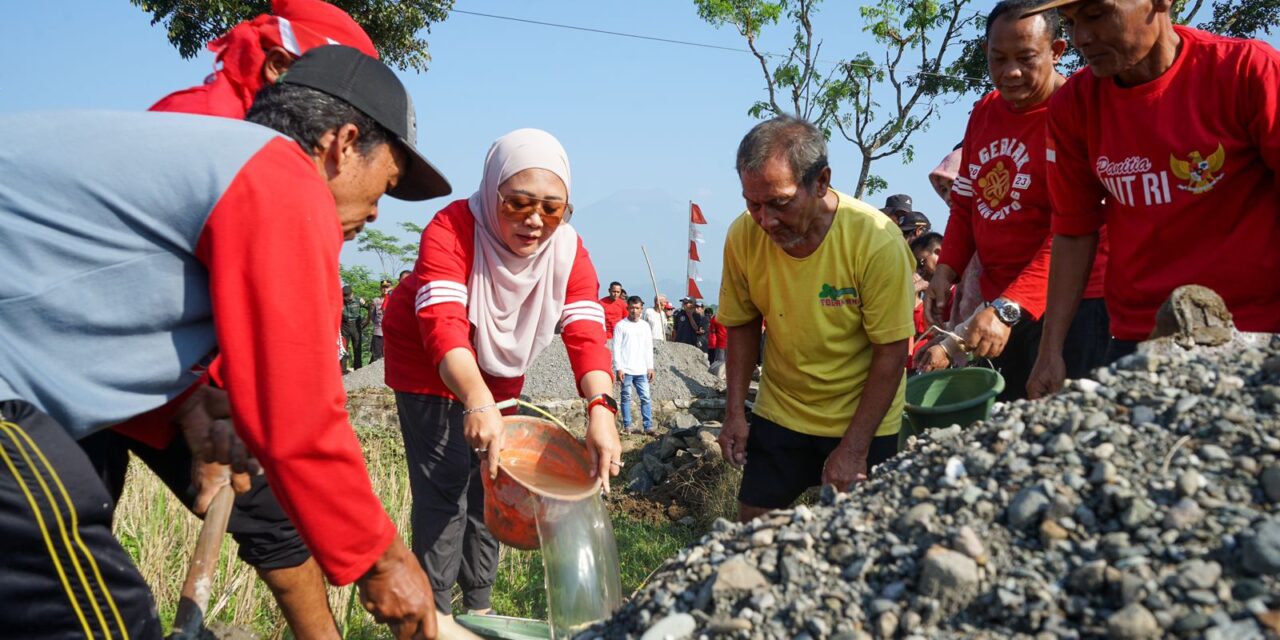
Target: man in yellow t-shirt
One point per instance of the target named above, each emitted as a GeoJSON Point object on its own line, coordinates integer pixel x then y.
{"type": "Point", "coordinates": [832, 277]}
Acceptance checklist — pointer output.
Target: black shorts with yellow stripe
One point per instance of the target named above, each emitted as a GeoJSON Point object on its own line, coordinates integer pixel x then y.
{"type": "Point", "coordinates": [62, 573]}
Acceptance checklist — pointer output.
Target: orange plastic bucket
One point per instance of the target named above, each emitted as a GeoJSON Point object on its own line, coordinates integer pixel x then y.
{"type": "Point", "coordinates": [538, 459]}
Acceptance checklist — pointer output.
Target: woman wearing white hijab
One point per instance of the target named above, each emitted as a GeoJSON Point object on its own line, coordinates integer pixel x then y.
{"type": "Point", "coordinates": [495, 274]}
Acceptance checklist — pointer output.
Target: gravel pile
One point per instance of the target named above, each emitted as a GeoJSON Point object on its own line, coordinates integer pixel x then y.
{"type": "Point", "coordinates": [369, 376]}
{"type": "Point", "coordinates": [1144, 504]}
{"type": "Point", "coordinates": [681, 373]}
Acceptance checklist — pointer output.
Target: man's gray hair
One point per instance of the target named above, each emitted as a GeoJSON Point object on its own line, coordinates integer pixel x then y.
{"type": "Point", "coordinates": [798, 141]}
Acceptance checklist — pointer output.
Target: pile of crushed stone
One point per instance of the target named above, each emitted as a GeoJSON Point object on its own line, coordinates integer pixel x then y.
{"type": "Point", "coordinates": [1143, 504]}
{"type": "Point", "coordinates": [681, 372]}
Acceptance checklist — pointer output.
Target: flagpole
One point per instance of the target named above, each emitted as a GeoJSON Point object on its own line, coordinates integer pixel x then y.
{"type": "Point", "coordinates": [652, 278]}
{"type": "Point", "coordinates": [687, 274]}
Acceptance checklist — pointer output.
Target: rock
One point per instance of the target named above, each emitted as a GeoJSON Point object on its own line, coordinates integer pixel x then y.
{"type": "Point", "coordinates": [917, 516]}
{"type": "Point", "coordinates": [950, 577]}
{"type": "Point", "coordinates": [1213, 453]}
{"type": "Point", "coordinates": [684, 420]}
{"type": "Point", "coordinates": [886, 625]}
{"type": "Point", "coordinates": [1138, 512]}
{"type": "Point", "coordinates": [1103, 473]}
{"type": "Point", "coordinates": [673, 627]}
{"type": "Point", "coordinates": [1261, 551]}
{"type": "Point", "coordinates": [1237, 630]}
{"type": "Point", "coordinates": [968, 543]}
{"type": "Point", "coordinates": [730, 625]}
{"type": "Point", "coordinates": [1189, 483]}
{"type": "Point", "coordinates": [1183, 515]}
{"type": "Point", "coordinates": [1142, 415]}
{"type": "Point", "coordinates": [762, 538]}
{"type": "Point", "coordinates": [1088, 578]}
{"type": "Point", "coordinates": [1104, 451]}
{"type": "Point", "coordinates": [1270, 481]}
{"type": "Point", "coordinates": [1051, 532]}
{"type": "Point", "coordinates": [1026, 507]}
{"type": "Point", "coordinates": [1198, 574]}
{"type": "Point", "coordinates": [1061, 444]}
{"type": "Point", "coordinates": [1133, 622]}
{"type": "Point", "coordinates": [737, 575]}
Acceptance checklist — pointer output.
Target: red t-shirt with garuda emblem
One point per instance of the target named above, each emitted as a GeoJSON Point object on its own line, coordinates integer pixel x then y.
{"type": "Point", "coordinates": [1183, 171]}
{"type": "Point", "coordinates": [1000, 206]}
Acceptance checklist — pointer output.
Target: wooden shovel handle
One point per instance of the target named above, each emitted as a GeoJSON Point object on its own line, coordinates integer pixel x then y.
{"type": "Point", "coordinates": [189, 620]}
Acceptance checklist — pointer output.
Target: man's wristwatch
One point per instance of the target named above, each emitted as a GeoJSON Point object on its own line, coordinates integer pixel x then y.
{"type": "Point", "coordinates": [1007, 311]}
{"type": "Point", "coordinates": [605, 400]}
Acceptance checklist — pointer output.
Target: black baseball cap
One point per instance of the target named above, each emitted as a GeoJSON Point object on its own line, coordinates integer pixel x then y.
{"type": "Point", "coordinates": [370, 86]}
{"type": "Point", "coordinates": [913, 220]}
{"type": "Point", "coordinates": [897, 202]}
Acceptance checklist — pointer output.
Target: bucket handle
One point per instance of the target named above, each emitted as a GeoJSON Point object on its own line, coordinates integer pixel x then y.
{"type": "Point", "coordinates": [507, 404]}
{"type": "Point", "coordinates": [933, 328]}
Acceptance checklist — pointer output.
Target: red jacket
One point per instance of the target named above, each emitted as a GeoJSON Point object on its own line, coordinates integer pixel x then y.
{"type": "Point", "coordinates": [293, 25]}
{"type": "Point", "coordinates": [718, 336]}
{"type": "Point", "coordinates": [427, 315]}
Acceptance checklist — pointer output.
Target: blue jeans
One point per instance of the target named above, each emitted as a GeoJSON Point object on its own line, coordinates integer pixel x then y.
{"type": "Point", "coordinates": [641, 383]}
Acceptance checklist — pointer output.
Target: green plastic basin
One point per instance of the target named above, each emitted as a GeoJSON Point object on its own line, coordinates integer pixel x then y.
{"type": "Point", "coordinates": [947, 397]}
{"type": "Point", "coordinates": [505, 627]}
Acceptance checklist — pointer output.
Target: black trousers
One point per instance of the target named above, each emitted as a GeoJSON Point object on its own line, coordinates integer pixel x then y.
{"type": "Point", "coordinates": [375, 348]}
{"type": "Point", "coordinates": [1088, 339]}
{"type": "Point", "coordinates": [355, 345]}
{"type": "Point", "coordinates": [1084, 349]}
{"type": "Point", "coordinates": [62, 572]}
{"type": "Point", "coordinates": [449, 534]}
{"type": "Point", "coordinates": [264, 533]}
{"type": "Point", "coordinates": [1120, 349]}
{"type": "Point", "coordinates": [782, 464]}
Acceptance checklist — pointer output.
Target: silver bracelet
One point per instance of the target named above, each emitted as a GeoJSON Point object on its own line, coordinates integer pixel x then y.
{"type": "Point", "coordinates": [467, 412]}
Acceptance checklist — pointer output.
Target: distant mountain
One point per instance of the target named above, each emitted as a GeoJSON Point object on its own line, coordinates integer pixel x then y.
{"type": "Point", "coordinates": [614, 228]}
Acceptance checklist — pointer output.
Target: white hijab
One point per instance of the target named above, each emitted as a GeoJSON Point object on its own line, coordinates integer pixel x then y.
{"type": "Point", "coordinates": [515, 301]}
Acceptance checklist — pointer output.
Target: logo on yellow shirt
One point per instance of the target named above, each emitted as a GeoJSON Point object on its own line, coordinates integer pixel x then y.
{"type": "Point", "coordinates": [1200, 173]}
{"type": "Point", "coordinates": [833, 297]}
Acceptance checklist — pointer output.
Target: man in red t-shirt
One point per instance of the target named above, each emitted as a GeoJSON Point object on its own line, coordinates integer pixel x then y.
{"type": "Point", "coordinates": [1000, 208]}
{"type": "Point", "coordinates": [1171, 138]}
{"type": "Point", "coordinates": [615, 308]}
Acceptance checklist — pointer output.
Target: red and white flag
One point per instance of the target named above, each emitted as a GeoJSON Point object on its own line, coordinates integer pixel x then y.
{"type": "Point", "coordinates": [695, 237]}
{"type": "Point", "coordinates": [695, 214]}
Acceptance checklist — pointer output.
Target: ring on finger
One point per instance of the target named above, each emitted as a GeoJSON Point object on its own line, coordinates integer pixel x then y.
{"type": "Point", "coordinates": [616, 463]}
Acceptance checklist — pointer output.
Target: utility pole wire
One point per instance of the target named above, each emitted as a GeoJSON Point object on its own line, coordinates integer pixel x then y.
{"type": "Point", "coordinates": [703, 45]}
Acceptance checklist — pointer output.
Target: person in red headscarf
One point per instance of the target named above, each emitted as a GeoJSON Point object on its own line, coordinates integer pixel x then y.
{"type": "Point", "coordinates": [257, 52]}
{"type": "Point", "coordinates": [251, 55]}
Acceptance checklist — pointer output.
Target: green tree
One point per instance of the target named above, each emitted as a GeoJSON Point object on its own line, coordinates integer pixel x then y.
{"type": "Point", "coordinates": [878, 104]}
{"type": "Point", "coordinates": [393, 254]}
{"type": "Point", "coordinates": [1235, 18]}
{"type": "Point", "coordinates": [393, 25]}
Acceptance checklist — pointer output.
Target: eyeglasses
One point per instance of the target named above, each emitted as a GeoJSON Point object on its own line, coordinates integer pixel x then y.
{"type": "Point", "coordinates": [518, 208]}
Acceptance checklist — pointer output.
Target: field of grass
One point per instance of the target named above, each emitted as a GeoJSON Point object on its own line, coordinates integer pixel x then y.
{"type": "Point", "coordinates": [160, 534]}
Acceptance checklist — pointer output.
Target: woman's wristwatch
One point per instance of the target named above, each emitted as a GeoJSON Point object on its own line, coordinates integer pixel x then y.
{"type": "Point", "coordinates": [605, 400]}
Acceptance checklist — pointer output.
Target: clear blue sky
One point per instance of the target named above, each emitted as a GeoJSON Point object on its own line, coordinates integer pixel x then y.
{"type": "Point", "coordinates": [648, 126]}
